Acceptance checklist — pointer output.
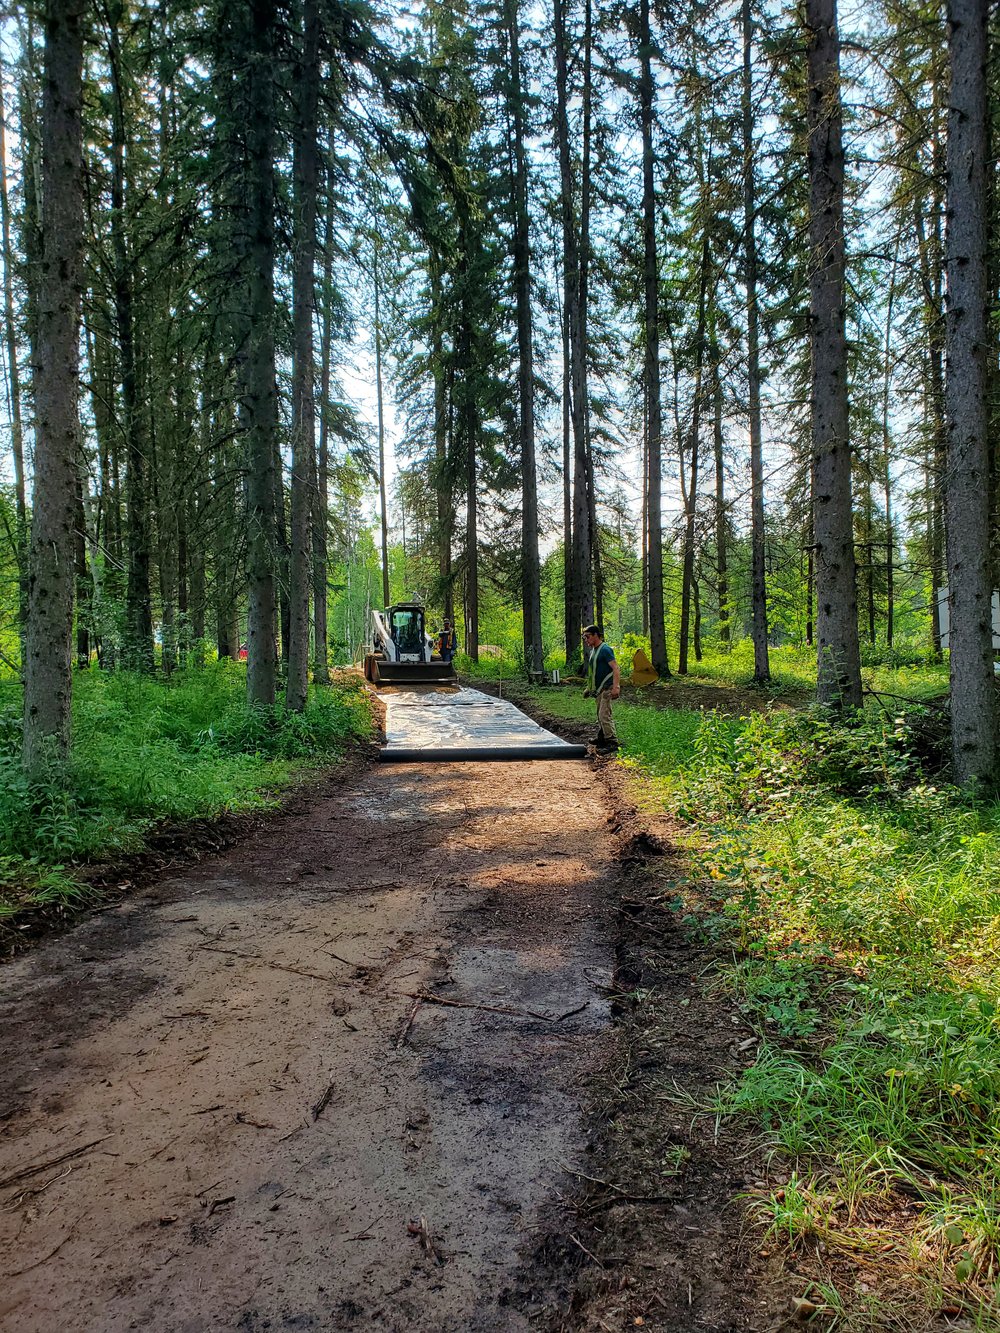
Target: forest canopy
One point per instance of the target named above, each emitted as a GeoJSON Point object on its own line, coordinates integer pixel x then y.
{"type": "Point", "coordinates": [678, 319]}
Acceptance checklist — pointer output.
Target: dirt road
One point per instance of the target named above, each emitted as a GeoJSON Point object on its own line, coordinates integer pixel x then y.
{"type": "Point", "coordinates": [223, 1105]}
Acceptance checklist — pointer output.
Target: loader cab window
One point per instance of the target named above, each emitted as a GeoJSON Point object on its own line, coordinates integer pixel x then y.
{"type": "Point", "coordinates": [406, 631]}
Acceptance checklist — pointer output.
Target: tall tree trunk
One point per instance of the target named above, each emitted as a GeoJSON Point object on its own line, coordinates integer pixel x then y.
{"type": "Point", "coordinates": [444, 491]}
{"type": "Point", "coordinates": [890, 536]}
{"type": "Point", "coordinates": [690, 490]}
{"type": "Point", "coordinates": [383, 503]}
{"type": "Point", "coordinates": [306, 174]}
{"type": "Point", "coordinates": [13, 375]}
{"type": "Point", "coordinates": [838, 652]}
{"type": "Point", "coordinates": [721, 522]}
{"type": "Point", "coordinates": [651, 286]}
{"type": "Point", "coordinates": [82, 590]}
{"type": "Point", "coordinates": [966, 497]}
{"type": "Point", "coordinates": [258, 389]}
{"type": "Point", "coordinates": [321, 497]}
{"type": "Point", "coordinates": [571, 598]}
{"type": "Point", "coordinates": [48, 638]}
{"type": "Point", "coordinates": [758, 580]}
{"type": "Point", "coordinates": [138, 646]}
{"type": "Point", "coordinates": [469, 424]}
{"type": "Point", "coordinates": [580, 607]}
{"type": "Point", "coordinates": [531, 590]}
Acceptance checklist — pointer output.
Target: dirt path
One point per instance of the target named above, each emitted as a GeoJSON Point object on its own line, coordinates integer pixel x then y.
{"type": "Point", "coordinates": [246, 1117]}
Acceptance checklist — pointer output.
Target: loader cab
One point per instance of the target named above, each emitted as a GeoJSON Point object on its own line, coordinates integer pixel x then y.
{"type": "Point", "coordinates": [406, 626]}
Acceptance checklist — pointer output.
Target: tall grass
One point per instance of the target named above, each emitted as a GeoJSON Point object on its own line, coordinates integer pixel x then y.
{"type": "Point", "coordinates": [862, 898]}
{"type": "Point", "coordinates": [146, 752]}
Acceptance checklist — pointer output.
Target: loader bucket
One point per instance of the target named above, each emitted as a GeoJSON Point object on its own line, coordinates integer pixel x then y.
{"type": "Point", "coordinates": [413, 673]}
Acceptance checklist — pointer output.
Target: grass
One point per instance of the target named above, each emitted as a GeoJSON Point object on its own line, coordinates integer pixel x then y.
{"type": "Point", "coordinates": [145, 753]}
{"type": "Point", "coordinates": [862, 900]}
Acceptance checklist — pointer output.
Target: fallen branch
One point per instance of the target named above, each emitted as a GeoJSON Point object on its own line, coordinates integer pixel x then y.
{"type": "Point", "coordinates": [428, 997]}
{"type": "Point", "coordinates": [28, 1171]}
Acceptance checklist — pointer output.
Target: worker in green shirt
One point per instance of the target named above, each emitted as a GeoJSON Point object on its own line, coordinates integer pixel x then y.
{"type": "Point", "coordinates": [603, 684]}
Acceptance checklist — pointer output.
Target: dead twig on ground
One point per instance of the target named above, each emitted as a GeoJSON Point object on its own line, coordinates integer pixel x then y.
{"type": "Point", "coordinates": [417, 1226]}
{"type": "Point", "coordinates": [401, 1039]}
{"type": "Point", "coordinates": [589, 1253]}
{"type": "Point", "coordinates": [320, 1106]}
{"type": "Point", "coordinates": [27, 1172]}
{"type": "Point", "coordinates": [266, 962]}
{"type": "Point", "coordinates": [428, 997]}
{"type": "Point", "coordinates": [29, 1268]}
{"type": "Point", "coordinates": [30, 1193]}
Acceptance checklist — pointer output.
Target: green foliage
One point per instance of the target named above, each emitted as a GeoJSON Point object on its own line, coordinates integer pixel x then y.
{"type": "Point", "coordinates": [863, 902]}
{"type": "Point", "coordinates": [146, 752]}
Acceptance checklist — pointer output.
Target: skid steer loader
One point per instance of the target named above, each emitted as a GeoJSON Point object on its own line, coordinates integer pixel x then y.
{"type": "Point", "coordinates": [402, 650]}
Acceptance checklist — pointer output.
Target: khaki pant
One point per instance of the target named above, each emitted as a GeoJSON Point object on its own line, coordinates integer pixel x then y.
{"type": "Point", "coordinates": [604, 719]}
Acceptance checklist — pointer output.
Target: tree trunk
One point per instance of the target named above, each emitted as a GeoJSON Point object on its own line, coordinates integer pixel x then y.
{"type": "Point", "coordinates": [758, 580]}
{"type": "Point", "coordinates": [651, 370]}
{"type": "Point", "coordinates": [580, 607]}
{"type": "Point", "coordinates": [258, 390]}
{"type": "Point", "coordinates": [321, 497]}
{"type": "Point", "coordinates": [838, 652]}
{"type": "Point", "coordinates": [721, 523]}
{"type": "Point", "coordinates": [138, 646]}
{"type": "Point", "coordinates": [48, 639]}
{"type": "Point", "coordinates": [890, 539]}
{"type": "Point", "coordinates": [383, 503]}
{"type": "Point", "coordinates": [531, 592]}
{"type": "Point", "coordinates": [306, 174]}
{"type": "Point", "coordinates": [444, 491]}
{"type": "Point", "coordinates": [690, 491]}
{"type": "Point", "coordinates": [13, 379]}
{"type": "Point", "coordinates": [966, 496]}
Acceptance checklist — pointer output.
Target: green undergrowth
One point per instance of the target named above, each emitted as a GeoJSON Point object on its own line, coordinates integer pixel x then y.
{"type": "Point", "coordinates": [146, 753]}
{"type": "Point", "coordinates": [861, 898]}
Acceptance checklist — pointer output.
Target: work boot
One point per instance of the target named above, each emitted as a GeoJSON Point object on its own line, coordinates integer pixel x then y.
{"type": "Point", "coordinates": [606, 745]}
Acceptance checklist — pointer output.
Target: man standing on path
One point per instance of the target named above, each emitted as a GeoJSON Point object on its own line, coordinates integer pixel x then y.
{"type": "Point", "coordinates": [446, 639]}
{"type": "Point", "coordinates": [604, 684]}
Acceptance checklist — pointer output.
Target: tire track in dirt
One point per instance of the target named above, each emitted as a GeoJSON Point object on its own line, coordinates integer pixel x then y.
{"type": "Point", "coordinates": [230, 1044]}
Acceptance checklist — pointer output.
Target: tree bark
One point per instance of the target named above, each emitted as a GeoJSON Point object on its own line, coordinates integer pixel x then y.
{"type": "Point", "coordinates": [137, 652]}
{"type": "Point", "coordinates": [579, 592]}
{"type": "Point", "coordinates": [838, 652]}
{"type": "Point", "coordinates": [13, 376]}
{"type": "Point", "coordinates": [966, 497]}
{"type": "Point", "coordinates": [258, 389]}
{"type": "Point", "coordinates": [305, 169]}
{"type": "Point", "coordinates": [382, 496]}
{"type": "Point", "coordinates": [758, 580]}
{"type": "Point", "coordinates": [651, 369]}
{"type": "Point", "coordinates": [321, 499]}
{"type": "Point", "coordinates": [531, 593]}
{"type": "Point", "coordinates": [721, 517]}
{"type": "Point", "coordinates": [48, 639]}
